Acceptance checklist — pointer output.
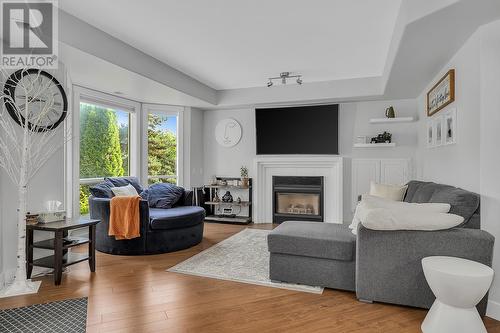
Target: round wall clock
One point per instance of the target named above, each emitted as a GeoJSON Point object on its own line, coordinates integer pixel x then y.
{"type": "Point", "coordinates": [48, 104]}
{"type": "Point", "coordinates": [228, 132]}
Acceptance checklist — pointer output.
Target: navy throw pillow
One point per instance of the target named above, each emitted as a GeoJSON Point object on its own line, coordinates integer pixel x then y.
{"type": "Point", "coordinates": [124, 181]}
{"type": "Point", "coordinates": [163, 195]}
{"type": "Point", "coordinates": [102, 190]}
{"type": "Point", "coordinates": [144, 194]}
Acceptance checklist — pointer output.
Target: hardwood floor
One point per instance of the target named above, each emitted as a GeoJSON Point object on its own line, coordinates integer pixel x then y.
{"type": "Point", "coordinates": [135, 294]}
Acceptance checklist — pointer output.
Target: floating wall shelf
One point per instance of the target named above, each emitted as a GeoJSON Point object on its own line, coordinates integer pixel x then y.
{"type": "Point", "coordinates": [374, 145]}
{"type": "Point", "coordinates": [391, 120]}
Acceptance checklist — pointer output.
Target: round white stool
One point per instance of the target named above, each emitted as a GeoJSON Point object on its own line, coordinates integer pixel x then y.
{"type": "Point", "coordinates": [458, 284]}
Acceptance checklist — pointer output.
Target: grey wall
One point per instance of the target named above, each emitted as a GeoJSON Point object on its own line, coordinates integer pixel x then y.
{"type": "Point", "coordinates": [455, 164]}
{"type": "Point", "coordinates": [473, 162]}
{"type": "Point", "coordinates": [489, 150]}
{"type": "Point", "coordinates": [196, 147]}
{"type": "Point", "coordinates": [353, 121]}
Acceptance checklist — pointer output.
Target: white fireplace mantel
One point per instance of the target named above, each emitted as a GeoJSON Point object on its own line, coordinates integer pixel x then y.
{"type": "Point", "coordinates": [330, 167]}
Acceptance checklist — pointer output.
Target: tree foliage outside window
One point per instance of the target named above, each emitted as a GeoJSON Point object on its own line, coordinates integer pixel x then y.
{"type": "Point", "coordinates": [162, 149]}
{"type": "Point", "coordinates": [104, 146]}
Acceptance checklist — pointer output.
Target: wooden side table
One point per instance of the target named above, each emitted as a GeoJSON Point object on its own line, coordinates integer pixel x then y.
{"type": "Point", "coordinates": [60, 245]}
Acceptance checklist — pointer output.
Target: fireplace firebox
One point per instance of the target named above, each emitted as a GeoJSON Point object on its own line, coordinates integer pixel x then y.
{"type": "Point", "coordinates": [297, 199]}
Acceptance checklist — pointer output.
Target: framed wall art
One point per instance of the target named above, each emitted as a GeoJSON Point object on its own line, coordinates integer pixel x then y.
{"type": "Point", "coordinates": [228, 132]}
{"type": "Point", "coordinates": [450, 127]}
{"type": "Point", "coordinates": [442, 93]}
{"type": "Point", "coordinates": [430, 134]}
{"type": "Point", "coordinates": [438, 130]}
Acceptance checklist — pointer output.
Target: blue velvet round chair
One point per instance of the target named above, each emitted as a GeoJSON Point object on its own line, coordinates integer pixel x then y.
{"type": "Point", "coordinates": [162, 230]}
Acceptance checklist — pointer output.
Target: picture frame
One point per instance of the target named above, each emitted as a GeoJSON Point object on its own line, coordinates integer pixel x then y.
{"type": "Point", "coordinates": [442, 93]}
{"type": "Point", "coordinates": [450, 132]}
{"type": "Point", "coordinates": [438, 131]}
{"type": "Point", "coordinates": [430, 134]}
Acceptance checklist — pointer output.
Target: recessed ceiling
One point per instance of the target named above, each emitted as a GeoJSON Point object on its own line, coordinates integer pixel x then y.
{"type": "Point", "coordinates": [230, 44]}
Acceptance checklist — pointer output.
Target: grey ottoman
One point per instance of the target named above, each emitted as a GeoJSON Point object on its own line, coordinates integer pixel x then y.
{"type": "Point", "coordinates": [313, 253]}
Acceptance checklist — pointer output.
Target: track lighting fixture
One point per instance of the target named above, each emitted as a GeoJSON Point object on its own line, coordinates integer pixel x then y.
{"type": "Point", "coordinates": [283, 77]}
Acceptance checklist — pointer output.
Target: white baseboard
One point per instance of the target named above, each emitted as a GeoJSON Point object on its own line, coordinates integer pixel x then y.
{"type": "Point", "coordinates": [493, 310]}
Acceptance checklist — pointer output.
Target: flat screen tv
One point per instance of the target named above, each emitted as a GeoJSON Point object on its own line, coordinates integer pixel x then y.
{"type": "Point", "coordinates": [297, 130]}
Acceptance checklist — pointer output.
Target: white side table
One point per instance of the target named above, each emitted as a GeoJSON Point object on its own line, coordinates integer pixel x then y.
{"type": "Point", "coordinates": [458, 284]}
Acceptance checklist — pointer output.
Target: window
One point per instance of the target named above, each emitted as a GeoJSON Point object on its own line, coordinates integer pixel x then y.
{"type": "Point", "coordinates": [104, 146]}
{"type": "Point", "coordinates": [114, 136]}
{"type": "Point", "coordinates": [162, 147]}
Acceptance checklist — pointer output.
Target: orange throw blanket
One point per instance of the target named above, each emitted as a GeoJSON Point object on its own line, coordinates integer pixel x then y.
{"type": "Point", "coordinates": [124, 218]}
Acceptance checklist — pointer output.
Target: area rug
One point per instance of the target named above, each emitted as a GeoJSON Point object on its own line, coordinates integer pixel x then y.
{"type": "Point", "coordinates": [242, 258]}
{"type": "Point", "coordinates": [68, 316]}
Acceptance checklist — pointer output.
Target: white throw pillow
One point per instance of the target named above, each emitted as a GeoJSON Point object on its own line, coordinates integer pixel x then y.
{"type": "Point", "coordinates": [401, 219]}
{"type": "Point", "coordinates": [392, 192]}
{"type": "Point", "coordinates": [369, 202]}
{"type": "Point", "coordinates": [123, 191]}
{"type": "Point", "coordinates": [378, 202]}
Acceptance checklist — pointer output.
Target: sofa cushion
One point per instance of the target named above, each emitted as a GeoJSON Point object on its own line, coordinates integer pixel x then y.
{"type": "Point", "coordinates": [173, 218]}
{"type": "Point", "coordinates": [102, 190]}
{"type": "Point", "coordinates": [163, 195]}
{"type": "Point", "coordinates": [423, 192]}
{"type": "Point", "coordinates": [413, 187]}
{"type": "Point", "coordinates": [463, 203]}
{"type": "Point", "coordinates": [313, 239]}
{"type": "Point", "coordinates": [124, 181]}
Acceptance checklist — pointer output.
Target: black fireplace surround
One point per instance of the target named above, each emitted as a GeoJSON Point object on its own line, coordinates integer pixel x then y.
{"type": "Point", "coordinates": [298, 198]}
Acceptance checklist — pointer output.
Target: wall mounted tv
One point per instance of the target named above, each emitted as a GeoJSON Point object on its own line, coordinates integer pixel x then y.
{"type": "Point", "coordinates": [297, 130]}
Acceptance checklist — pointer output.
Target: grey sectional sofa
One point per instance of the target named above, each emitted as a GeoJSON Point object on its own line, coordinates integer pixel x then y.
{"type": "Point", "coordinates": [387, 263]}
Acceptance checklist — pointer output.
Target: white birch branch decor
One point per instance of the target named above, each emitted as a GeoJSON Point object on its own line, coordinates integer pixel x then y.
{"type": "Point", "coordinates": [33, 104]}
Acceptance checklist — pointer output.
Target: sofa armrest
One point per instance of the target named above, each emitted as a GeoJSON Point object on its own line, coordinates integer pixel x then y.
{"type": "Point", "coordinates": [388, 263]}
{"type": "Point", "coordinates": [187, 198]}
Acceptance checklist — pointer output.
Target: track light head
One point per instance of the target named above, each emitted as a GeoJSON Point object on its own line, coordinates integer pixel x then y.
{"type": "Point", "coordinates": [299, 80]}
{"type": "Point", "coordinates": [269, 83]}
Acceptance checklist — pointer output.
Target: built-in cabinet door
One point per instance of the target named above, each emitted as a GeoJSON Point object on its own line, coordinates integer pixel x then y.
{"type": "Point", "coordinates": [394, 171]}
{"type": "Point", "coordinates": [363, 172]}
{"type": "Point", "coordinates": [384, 171]}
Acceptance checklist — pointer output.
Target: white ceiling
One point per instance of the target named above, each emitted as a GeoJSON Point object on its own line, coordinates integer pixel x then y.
{"type": "Point", "coordinates": [230, 44]}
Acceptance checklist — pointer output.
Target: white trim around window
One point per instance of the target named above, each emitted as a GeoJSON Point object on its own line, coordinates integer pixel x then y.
{"type": "Point", "coordinates": [177, 111]}
{"type": "Point", "coordinates": [81, 94]}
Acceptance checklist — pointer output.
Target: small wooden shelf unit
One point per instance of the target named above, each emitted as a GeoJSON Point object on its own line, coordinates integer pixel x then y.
{"type": "Point", "coordinates": [215, 206]}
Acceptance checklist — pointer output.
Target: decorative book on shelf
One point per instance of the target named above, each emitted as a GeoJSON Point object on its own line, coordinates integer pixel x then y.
{"type": "Point", "coordinates": [229, 200]}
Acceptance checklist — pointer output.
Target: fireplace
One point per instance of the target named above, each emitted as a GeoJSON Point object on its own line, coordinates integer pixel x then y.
{"type": "Point", "coordinates": [297, 198]}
